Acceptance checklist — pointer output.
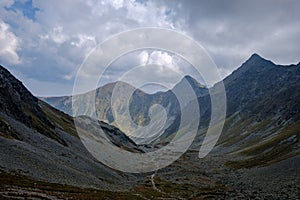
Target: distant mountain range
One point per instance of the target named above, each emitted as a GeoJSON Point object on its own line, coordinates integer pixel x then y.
{"type": "Point", "coordinates": [40, 146]}
{"type": "Point", "coordinates": [140, 104]}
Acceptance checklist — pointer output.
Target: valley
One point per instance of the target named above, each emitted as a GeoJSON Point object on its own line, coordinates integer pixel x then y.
{"type": "Point", "coordinates": [256, 157]}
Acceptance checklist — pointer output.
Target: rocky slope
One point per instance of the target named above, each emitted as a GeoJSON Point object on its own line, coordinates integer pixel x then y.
{"type": "Point", "coordinates": [40, 142]}
{"type": "Point", "coordinates": [263, 114]}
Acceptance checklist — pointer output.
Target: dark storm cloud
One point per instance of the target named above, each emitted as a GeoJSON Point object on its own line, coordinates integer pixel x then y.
{"type": "Point", "coordinates": [232, 30]}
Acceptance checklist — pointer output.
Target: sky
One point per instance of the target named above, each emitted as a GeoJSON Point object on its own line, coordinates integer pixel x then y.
{"type": "Point", "coordinates": [44, 42]}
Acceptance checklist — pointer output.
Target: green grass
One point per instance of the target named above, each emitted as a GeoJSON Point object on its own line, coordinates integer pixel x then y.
{"type": "Point", "coordinates": [7, 131]}
{"type": "Point", "coordinates": [15, 185]}
{"type": "Point", "coordinates": [62, 120]}
{"type": "Point", "coordinates": [10, 181]}
{"type": "Point", "coordinates": [233, 133]}
{"type": "Point", "coordinates": [270, 151]}
{"type": "Point", "coordinates": [274, 141]}
{"type": "Point", "coordinates": [172, 190]}
{"type": "Point", "coordinates": [41, 126]}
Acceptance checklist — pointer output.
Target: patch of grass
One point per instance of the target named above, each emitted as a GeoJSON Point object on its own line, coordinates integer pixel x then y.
{"type": "Point", "coordinates": [270, 151]}
{"type": "Point", "coordinates": [7, 131]}
{"type": "Point", "coordinates": [172, 190]}
{"type": "Point", "coordinates": [14, 185]}
{"type": "Point", "coordinates": [62, 120]}
{"type": "Point", "coordinates": [43, 127]}
{"type": "Point", "coordinates": [233, 133]}
{"type": "Point", "coordinates": [273, 142]}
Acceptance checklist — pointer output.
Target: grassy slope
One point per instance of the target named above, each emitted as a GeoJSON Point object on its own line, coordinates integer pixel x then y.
{"type": "Point", "coordinates": [273, 146]}
{"type": "Point", "coordinates": [61, 120]}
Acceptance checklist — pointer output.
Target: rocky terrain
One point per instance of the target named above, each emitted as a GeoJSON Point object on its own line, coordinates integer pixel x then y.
{"type": "Point", "coordinates": [257, 156]}
{"type": "Point", "coordinates": [40, 142]}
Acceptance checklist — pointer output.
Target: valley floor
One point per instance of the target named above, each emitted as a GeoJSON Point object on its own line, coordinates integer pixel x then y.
{"type": "Point", "coordinates": [187, 178]}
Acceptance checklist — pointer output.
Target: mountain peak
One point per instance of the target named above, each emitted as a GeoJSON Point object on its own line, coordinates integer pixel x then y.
{"type": "Point", "coordinates": [193, 81]}
{"type": "Point", "coordinates": [257, 59]}
{"type": "Point", "coordinates": [256, 63]}
{"type": "Point", "coordinates": [255, 55]}
{"type": "Point", "coordinates": [199, 88]}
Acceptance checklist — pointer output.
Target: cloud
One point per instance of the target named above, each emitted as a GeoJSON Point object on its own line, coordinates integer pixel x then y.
{"type": "Point", "coordinates": [232, 30]}
{"type": "Point", "coordinates": [149, 68]}
{"type": "Point", "coordinates": [9, 45]}
{"type": "Point", "coordinates": [6, 3]}
{"type": "Point", "coordinates": [50, 39]}
{"type": "Point", "coordinates": [144, 57]}
{"type": "Point", "coordinates": [57, 35]}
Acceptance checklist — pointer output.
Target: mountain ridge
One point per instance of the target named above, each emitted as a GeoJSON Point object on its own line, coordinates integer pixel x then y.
{"type": "Point", "coordinates": [244, 85]}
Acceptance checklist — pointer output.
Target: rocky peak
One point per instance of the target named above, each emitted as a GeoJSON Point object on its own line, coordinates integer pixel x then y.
{"type": "Point", "coordinates": [199, 89]}
{"type": "Point", "coordinates": [258, 61]}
